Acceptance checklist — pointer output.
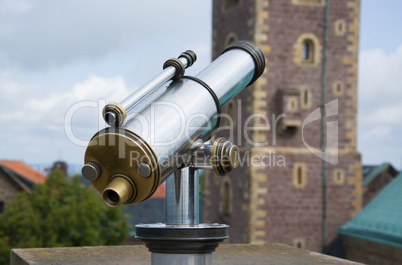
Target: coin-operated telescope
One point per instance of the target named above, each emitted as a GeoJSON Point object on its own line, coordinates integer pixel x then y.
{"type": "Point", "coordinates": [160, 133]}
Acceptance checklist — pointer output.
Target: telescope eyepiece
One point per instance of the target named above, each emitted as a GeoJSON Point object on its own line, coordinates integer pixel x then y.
{"type": "Point", "coordinates": [110, 117]}
{"type": "Point", "coordinates": [113, 196]}
{"type": "Point", "coordinates": [120, 190]}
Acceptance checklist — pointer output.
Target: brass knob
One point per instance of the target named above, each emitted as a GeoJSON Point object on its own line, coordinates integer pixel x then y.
{"type": "Point", "coordinates": [225, 156]}
{"type": "Point", "coordinates": [91, 171]}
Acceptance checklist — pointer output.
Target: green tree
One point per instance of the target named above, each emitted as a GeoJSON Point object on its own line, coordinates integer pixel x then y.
{"type": "Point", "coordinates": [61, 213]}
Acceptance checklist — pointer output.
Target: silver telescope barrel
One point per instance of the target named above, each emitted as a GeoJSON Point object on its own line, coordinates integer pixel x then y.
{"type": "Point", "coordinates": [114, 114]}
{"type": "Point", "coordinates": [131, 161]}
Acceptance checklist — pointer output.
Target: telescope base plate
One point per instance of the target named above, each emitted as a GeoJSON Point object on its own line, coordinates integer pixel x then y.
{"type": "Point", "coordinates": [182, 239]}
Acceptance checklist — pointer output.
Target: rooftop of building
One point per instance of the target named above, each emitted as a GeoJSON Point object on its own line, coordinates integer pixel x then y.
{"type": "Point", "coordinates": [380, 220]}
{"type": "Point", "coordinates": [370, 172]}
{"type": "Point", "coordinates": [23, 170]}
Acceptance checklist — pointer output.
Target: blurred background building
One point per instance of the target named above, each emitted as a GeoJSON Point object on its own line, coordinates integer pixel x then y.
{"type": "Point", "coordinates": [15, 177]}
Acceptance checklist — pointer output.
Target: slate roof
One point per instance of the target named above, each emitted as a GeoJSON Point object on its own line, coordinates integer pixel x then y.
{"type": "Point", "coordinates": [380, 221]}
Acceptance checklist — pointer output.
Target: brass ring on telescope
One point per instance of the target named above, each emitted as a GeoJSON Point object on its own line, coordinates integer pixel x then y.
{"type": "Point", "coordinates": [234, 157]}
{"type": "Point", "coordinates": [216, 156]}
{"type": "Point", "coordinates": [118, 110]}
{"type": "Point", "coordinates": [176, 63]}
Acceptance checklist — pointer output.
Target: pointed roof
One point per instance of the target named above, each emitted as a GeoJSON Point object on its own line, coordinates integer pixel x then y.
{"type": "Point", "coordinates": [380, 220]}
{"type": "Point", "coordinates": [25, 171]}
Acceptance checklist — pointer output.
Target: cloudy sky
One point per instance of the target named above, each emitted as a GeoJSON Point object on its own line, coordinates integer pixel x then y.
{"type": "Point", "coordinates": [56, 56]}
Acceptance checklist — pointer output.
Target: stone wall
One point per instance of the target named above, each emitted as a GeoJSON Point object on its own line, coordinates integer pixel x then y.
{"type": "Point", "coordinates": [369, 252]}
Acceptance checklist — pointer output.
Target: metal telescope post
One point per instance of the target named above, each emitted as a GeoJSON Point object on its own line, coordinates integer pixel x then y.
{"type": "Point", "coordinates": [183, 240]}
{"type": "Point", "coordinates": [124, 179]}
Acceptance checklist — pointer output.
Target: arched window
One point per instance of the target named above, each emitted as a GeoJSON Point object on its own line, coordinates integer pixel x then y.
{"type": "Point", "coordinates": [305, 98]}
{"type": "Point", "coordinates": [340, 27]}
{"type": "Point", "coordinates": [299, 175]}
{"type": "Point", "coordinates": [338, 88]}
{"type": "Point", "coordinates": [299, 243]}
{"type": "Point", "coordinates": [308, 51]}
{"type": "Point", "coordinates": [226, 198]}
{"type": "Point", "coordinates": [339, 176]}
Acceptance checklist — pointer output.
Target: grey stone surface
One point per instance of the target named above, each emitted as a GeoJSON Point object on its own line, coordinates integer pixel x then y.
{"type": "Point", "coordinates": [232, 254]}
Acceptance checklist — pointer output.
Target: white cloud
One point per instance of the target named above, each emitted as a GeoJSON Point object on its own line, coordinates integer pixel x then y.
{"type": "Point", "coordinates": [54, 54]}
{"type": "Point", "coordinates": [14, 7]}
{"type": "Point", "coordinates": [34, 123]}
{"type": "Point", "coordinates": [380, 107]}
{"type": "Point", "coordinates": [43, 33]}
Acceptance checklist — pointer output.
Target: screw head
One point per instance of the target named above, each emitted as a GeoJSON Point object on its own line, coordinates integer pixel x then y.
{"type": "Point", "coordinates": [144, 170]}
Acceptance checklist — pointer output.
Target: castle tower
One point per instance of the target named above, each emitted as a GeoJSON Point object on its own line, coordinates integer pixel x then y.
{"type": "Point", "coordinates": [280, 194]}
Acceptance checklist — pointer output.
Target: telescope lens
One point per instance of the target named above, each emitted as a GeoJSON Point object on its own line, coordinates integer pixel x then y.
{"type": "Point", "coordinates": [118, 191]}
{"type": "Point", "coordinates": [113, 196]}
{"type": "Point", "coordinates": [110, 118]}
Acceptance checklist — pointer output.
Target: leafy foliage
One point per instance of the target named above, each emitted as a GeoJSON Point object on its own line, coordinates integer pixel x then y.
{"type": "Point", "coordinates": [63, 212]}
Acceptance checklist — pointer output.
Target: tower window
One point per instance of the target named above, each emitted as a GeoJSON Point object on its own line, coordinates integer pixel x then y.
{"type": "Point", "coordinates": [292, 104]}
{"type": "Point", "coordinates": [308, 51]}
{"type": "Point", "coordinates": [299, 243]}
{"type": "Point", "coordinates": [305, 98]}
{"type": "Point", "coordinates": [337, 88]}
{"type": "Point", "coordinates": [299, 175]}
{"type": "Point", "coordinates": [340, 27]}
{"type": "Point", "coordinates": [230, 3]}
{"type": "Point", "coordinates": [226, 198]}
{"type": "Point", "coordinates": [339, 176]}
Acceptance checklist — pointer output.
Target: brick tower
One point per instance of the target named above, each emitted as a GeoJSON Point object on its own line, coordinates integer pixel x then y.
{"type": "Point", "coordinates": [283, 193]}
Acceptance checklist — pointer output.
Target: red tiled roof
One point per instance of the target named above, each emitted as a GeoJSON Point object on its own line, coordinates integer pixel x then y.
{"type": "Point", "coordinates": [160, 192]}
{"type": "Point", "coordinates": [24, 170]}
